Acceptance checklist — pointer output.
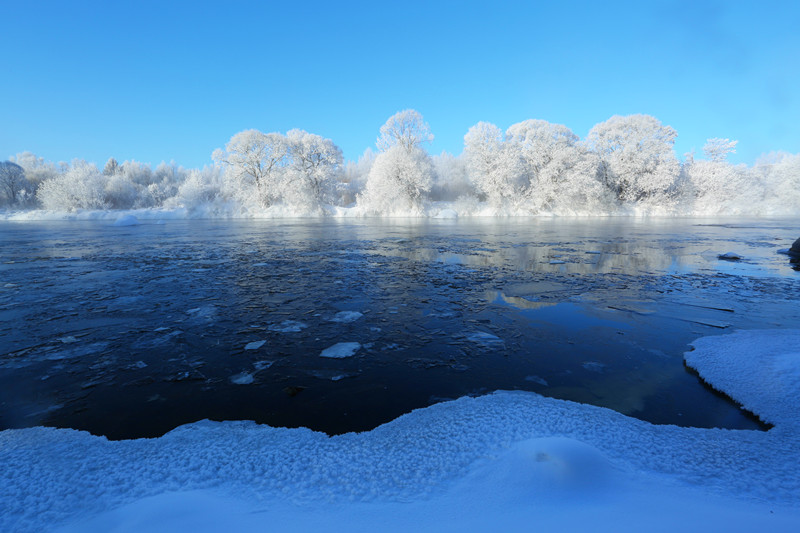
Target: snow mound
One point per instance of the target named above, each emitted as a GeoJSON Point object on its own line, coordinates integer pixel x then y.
{"type": "Point", "coordinates": [126, 220]}
{"type": "Point", "coordinates": [760, 369]}
{"type": "Point", "coordinates": [551, 467]}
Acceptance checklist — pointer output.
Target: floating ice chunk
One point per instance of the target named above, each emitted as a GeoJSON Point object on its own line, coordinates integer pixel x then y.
{"type": "Point", "coordinates": [729, 256]}
{"type": "Point", "coordinates": [594, 366]}
{"type": "Point", "coordinates": [288, 326]}
{"type": "Point", "coordinates": [158, 330]}
{"type": "Point", "coordinates": [333, 375]}
{"type": "Point", "coordinates": [140, 364]}
{"type": "Point", "coordinates": [244, 378]}
{"type": "Point", "coordinates": [262, 365]}
{"type": "Point", "coordinates": [68, 340]}
{"type": "Point", "coordinates": [255, 345]}
{"type": "Point", "coordinates": [345, 317]}
{"type": "Point", "coordinates": [341, 350]}
{"type": "Point", "coordinates": [484, 338]}
{"type": "Point", "coordinates": [126, 220]}
{"type": "Point", "coordinates": [260, 264]}
{"type": "Point", "coordinates": [537, 379]}
{"type": "Point", "coordinates": [206, 312]}
{"type": "Point", "coordinates": [12, 285]}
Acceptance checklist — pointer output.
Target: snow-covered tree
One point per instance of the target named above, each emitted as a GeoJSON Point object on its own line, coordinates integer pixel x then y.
{"type": "Point", "coordinates": [451, 180]}
{"type": "Point", "coordinates": [81, 186]}
{"type": "Point", "coordinates": [111, 167]}
{"type": "Point", "coordinates": [256, 159]}
{"type": "Point", "coordinates": [780, 177]}
{"type": "Point", "coordinates": [492, 165]}
{"type": "Point", "coordinates": [637, 161]}
{"type": "Point", "coordinates": [398, 180]}
{"type": "Point", "coordinates": [558, 173]}
{"type": "Point", "coordinates": [13, 185]}
{"type": "Point", "coordinates": [405, 128]}
{"type": "Point", "coordinates": [354, 178]}
{"type": "Point", "coordinates": [36, 168]}
{"type": "Point", "coordinates": [315, 163]}
{"type": "Point", "coordinates": [717, 149]}
{"type": "Point", "coordinates": [403, 172]}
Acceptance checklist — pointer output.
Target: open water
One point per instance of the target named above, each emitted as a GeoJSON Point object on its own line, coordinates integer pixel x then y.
{"type": "Point", "coordinates": [343, 325]}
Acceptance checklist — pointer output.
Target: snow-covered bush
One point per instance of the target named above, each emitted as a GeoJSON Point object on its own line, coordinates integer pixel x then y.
{"type": "Point", "coordinates": [82, 186]}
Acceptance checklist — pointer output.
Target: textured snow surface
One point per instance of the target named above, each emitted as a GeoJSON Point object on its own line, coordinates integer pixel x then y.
{"type": "Point", "coordinates": [759, 369]}
{"type": "Point", "coordinates": [506, 461]}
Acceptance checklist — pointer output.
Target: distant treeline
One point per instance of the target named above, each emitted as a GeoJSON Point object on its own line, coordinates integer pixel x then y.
{"type": "Point", "coordinates": [625, 164]}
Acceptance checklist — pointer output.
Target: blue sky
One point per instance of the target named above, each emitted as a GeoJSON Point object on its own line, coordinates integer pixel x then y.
{"type": "Point", "coordinates": [155, 81]}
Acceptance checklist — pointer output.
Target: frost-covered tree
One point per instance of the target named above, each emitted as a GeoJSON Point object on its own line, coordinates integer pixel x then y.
{"type": "Point", "coordinates": [492, 165]}
{"type": "Point", "coordinates": [717, 149]}
{"type": "Point", "coordinates": [314, 164]}
{"type": "Point", "coordinates": [403, 173]}
{"type": "Point", "coordinates": [199, 191]}
{"type": "Point", "coordinates": [558, 173]}
{"type": "Point", "coordinates": [398, 180]}
{"type": "Point", "coordinates": [405, 128]}
{"type": "Point", "coordinates": [715, 185]}
{"type": "Point", "coordinates": [111, 167]}
{"type": "Point", "coordinates": [637, 161]}
{"type": "Point", "coordinates": [451, 181]}
{"type": "Point", "coordinates": [81, 186]}
{"type": "Point", "coordinates": [779, 175]}
{"type": "Point", "coordinates": [36, 168]}
{"type": "Point", "coordinates": [354, 178]}
{"type": "Point", "coordinates": [256, 159]}
{"type": "Point", "coordinates": [13, 185]}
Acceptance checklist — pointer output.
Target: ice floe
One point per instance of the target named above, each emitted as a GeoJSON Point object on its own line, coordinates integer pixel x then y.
{"type": "Point", "coordinates": [341, 350]}
{"type": "Point", "coordinates": [288, 326]}
{"type": "Point", "coordinates": [346, 317]}
{"type": "Point", "coordinates": [243, 378]}
{"type": "Point", "coordinates": [255, 345]}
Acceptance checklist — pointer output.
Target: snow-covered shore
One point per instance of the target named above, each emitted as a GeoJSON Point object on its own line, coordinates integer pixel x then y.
{"type": "Point", "coordinates": [512, 460]}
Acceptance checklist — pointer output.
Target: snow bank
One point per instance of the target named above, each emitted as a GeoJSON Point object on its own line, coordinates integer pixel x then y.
{"type": "Point", "coordinates": [434, 210]}
{"type": "Point", "coordinates": [509, 460]}
{"type": "Point", "coordinates": [759, 369]}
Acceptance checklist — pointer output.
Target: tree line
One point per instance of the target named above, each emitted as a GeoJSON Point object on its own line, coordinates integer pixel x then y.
{"type": "Point", "coordinates": [533, 167]}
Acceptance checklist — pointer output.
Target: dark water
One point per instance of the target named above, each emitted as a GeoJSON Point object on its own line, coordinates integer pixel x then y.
{"type": "Point", "coordinates": [131, 331]}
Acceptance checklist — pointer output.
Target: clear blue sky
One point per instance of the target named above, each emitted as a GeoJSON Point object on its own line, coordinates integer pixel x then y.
{"type": "Point", "coordinates": [163, 80]}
